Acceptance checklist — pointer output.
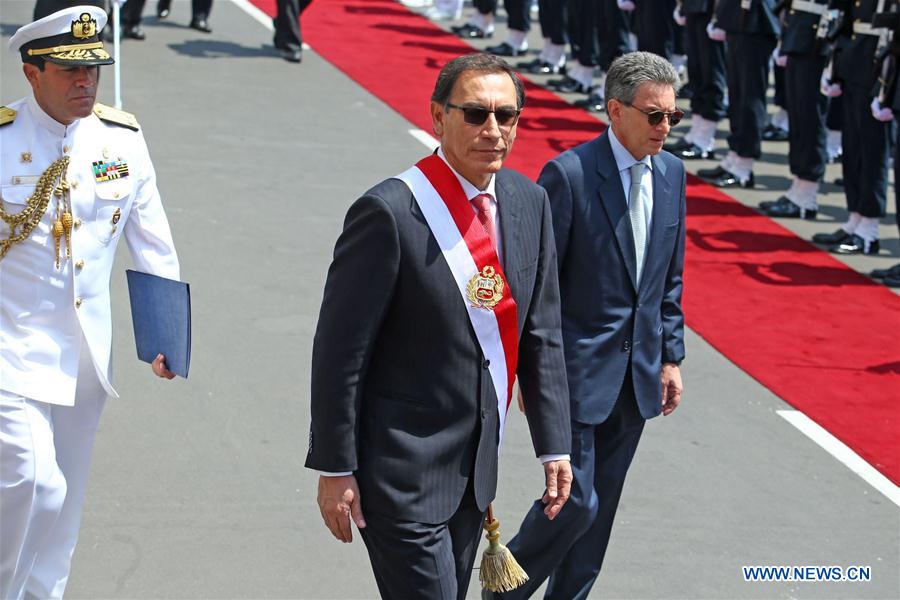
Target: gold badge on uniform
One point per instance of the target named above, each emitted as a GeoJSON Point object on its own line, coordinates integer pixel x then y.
{"type": "Point", "coordinates": [485, 289]}
{"type": "Point", "coordinates": [26, 157]}
{"type": "Point", "coordinates": [116, 216]}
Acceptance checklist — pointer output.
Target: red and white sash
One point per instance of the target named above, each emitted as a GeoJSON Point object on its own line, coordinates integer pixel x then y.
{"type": "Point", "coordinates": [468, 251]}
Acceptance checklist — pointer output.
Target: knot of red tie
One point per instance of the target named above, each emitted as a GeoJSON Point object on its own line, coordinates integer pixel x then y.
{"type": "Point", "coordinates": [482, 203]}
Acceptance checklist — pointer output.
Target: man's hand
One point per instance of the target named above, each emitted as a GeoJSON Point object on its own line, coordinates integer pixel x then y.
{"type": "Point", "coordinates": [339, 501]}
{"type": "Point", "coordinates": [670, 377]}
{"type": "Point", "coordinates": [558, 474]}
{"type": "Point", "coordinates": [159, 367]}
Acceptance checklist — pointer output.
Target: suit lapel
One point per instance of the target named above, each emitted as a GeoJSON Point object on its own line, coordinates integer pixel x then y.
{"type": "Point", "coordinates": [662, 194]}
{"type": "Point", "coordinates": [614, 202]}
{"type": "Point", "coordinates": [510, 231]}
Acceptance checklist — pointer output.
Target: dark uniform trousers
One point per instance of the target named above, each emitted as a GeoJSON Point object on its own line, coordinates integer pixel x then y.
{"type": "Point", "coordinates": [750, 39]}
{"type": "Point", "coordinates": [655, 27]}
{"type": "Point", "coordinates": [132, 11]}
{"type": "Point", "coordinates": [612, 26]}
{"type": "Point", "coordinates": [807, 109]}
{"type": "Point", "coordinates": [552, 14]}
{"type": "Point", "coordinates": [518, 12]}
{"type": "Point", "coordinates": [287, 23]}
{"type": "Point", "coordinates": [748, 57]}
{"type": "Point", "coordinates": [706, 68]}
{"type": "Point", "coordinates": [865, 140]}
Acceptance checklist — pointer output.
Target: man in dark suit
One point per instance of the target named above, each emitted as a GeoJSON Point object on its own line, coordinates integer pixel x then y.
{"type": "Point", "coordinates": [443, 288]}
{"type": "Point", "coordinates": [618, 214]}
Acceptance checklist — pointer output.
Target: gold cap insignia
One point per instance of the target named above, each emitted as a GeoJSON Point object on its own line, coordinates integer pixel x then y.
{"type": "Point", "coordinates": [85, 27]}
{"type": "Point", "coordinates": [485, 289]}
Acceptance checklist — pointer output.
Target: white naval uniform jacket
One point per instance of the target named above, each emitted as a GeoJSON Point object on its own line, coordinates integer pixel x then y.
{"type": "Point", "coordinates": [45, 311]}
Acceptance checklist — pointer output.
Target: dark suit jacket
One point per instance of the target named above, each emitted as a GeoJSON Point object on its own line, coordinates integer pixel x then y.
{"type": "Point", "coordinates": [608, 324]}
{"type": "Point", "coordinates": [759, 20]}
{"type": "Point", "coordinates": [401, 394]}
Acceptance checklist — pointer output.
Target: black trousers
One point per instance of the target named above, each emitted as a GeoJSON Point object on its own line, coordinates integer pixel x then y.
{"type": "Point", "coordinates": [552, 14]}
{"type": "Point", "coordinates": [780, 97]}
{"type": "Point", "coordinates": [200, 9]}
{"type": "Point", "coordinates": [612, 27]}
{"type": "Point", "coordinates": [706, 69]}
{"type": "Point", "coordinates": [655, 27]}
{"type": "Point", "coordinates": [897, 175]}
{"type": "Point", "coordinates": [420, 560]}
{"type": "Point", "coordinates": [581, 21]}
{"type": "Point", "coordinates": [287, 23]}
{"type": "Point", "coordinates": [866, 143]}
{"type": "Point", "coordinates": [518, 13]}
{"type": "Point", "coordinates": [131, 11]}
{"type": "Point", "coordinates": [748, 79]}
{"type": "Point", "coordinates": [806, 108]}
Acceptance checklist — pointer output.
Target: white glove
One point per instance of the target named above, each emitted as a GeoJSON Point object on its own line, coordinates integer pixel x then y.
{"type": "Point", "coordinates": [679, 17]}
{"type": "Point", "coordinates": [832, 90]}
{"type": "Point", "coordinates": [885, 115]}
{"type": "Point", "coordinates": [780, 59]}
{"type": "Point", "coordinates": [625, 5]}
{"type": "Point", "coordinates": [715, 34]}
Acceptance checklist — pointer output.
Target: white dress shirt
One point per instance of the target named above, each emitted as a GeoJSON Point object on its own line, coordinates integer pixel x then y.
{"type": "Point", "coordinates": [624, 160]}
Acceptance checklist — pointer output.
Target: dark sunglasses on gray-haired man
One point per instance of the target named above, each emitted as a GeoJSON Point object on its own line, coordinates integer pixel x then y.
{"type": "Point", "coordinates": [655, 117]}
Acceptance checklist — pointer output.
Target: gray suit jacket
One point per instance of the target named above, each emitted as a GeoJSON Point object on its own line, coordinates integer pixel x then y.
{"type": "Point", "coordinates": [401, 394]}
{"type": "Point", "coordinates": [609, 323]}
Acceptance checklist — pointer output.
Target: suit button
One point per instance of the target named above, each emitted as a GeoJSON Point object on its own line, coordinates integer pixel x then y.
{"type": "Point", "coordinates": [77, 223]}
{"type": "Point", "coordinates": [77, 302]}
{"type": "Point", "coordinates": [626, 346]}
{"type": "Point", "coordinates": [79, 264]}
{"type": "Point", "coordinates": [485, 364]}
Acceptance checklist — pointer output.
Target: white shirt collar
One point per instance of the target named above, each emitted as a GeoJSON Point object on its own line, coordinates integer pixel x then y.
{"type": "Point", "coordinates": [45, 120]}
{"type": "Point", "coordinates": [623, 157]}
{"type": "Point", "coordinates": [468, 189]}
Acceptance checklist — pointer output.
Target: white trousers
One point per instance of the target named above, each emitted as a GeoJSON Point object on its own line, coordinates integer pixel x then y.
{"type": "Point", "coordinates": [45, 456]}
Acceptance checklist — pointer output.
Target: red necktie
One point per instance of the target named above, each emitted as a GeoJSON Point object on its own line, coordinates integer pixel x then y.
{"type": "Point", "coordinates": [482, 203]}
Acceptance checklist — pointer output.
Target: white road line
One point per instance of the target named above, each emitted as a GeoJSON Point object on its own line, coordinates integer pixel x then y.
{"type": "Point", "coordinates": [426, 138]}
{"type": "Point", "coordinates": [259, 16]}
{"type": "Point", "coordinates": [843, 453]}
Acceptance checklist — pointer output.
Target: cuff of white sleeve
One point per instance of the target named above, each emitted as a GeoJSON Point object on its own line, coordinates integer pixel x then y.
{"type": "Point", "coordinates": [545, 458]}
{"type": "Point", "coordinates": [330, 474]}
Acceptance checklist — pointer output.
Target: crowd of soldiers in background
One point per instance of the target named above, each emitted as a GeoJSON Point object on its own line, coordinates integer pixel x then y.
{"type": "Point", "coordinates": [834, 65]}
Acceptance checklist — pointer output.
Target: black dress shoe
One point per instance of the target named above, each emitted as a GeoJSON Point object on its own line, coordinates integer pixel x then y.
{"type": "Point", "coordinates": [469, 31]}
{"type": "Point", "coordinates": [773, 133]}
{"type": "Point", "coordinates": [828, 239]}
{"type": "Point", "coordinates": [201, 25]}
{"type": "Point", "coordinates": [687, 151]}
{"type": "Point", "coordinates": [882, 273]}
{"type": "Point", "coordinates": [568, 86]}
{"type": "Point", "coordinates": [540, 67]}
{"type": "Point", "coordinates": [293, 55]}
{"type": "Point", "coordinates": [162, 8]}
{"type": "Point", "coordinates": [505, 49]}
{"type": "Point", "coordinates": [767, 204]}
{"type": "Point", "coordinates": [839, 181]}
{"type": "Point", "coordinates": [784, 208]}
{"type": "Point", "coordinates": [728, 179]}
{"type": "Point", "coordinates": [712, 173]}
{"type": "Point", "coordinates": [892, 281]}
{"type": "Point", "coordinates": [135, 32]}
{"type": "Point", "coordinates": [593, 103]}
{"type": "Point", "coordinates": [856, 245]}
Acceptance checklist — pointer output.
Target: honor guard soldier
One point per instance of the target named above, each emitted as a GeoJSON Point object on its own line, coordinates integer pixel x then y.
{"type": "Point", "coordinates": [706, 71]}
{"type": "Point", "coordinates": [76, 177]}
{"type": "Point", "coordinates": [856, 66]}
{"type": "Point", "coordinates": [751, 30]}
{"type": "Point", "coordinates": [805, 45]}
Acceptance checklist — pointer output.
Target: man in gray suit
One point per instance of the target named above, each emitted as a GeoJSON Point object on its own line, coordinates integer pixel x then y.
{"type": "Point", "coordinates": [443, 288]}
{"type": "Point", "coordinates": [618, 214]}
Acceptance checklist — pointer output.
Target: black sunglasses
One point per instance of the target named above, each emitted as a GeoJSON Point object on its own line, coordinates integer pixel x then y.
{"type": "Point", "coordinates": [476, 115]}
{"type": "Point", "coordinates": [655, 117]}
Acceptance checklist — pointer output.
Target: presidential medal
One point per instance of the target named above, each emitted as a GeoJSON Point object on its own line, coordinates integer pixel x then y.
{"type": "Point", "coordinates": [485, 289]}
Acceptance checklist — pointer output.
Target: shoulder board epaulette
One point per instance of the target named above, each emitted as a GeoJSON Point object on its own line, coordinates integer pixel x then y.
{"type": "Point", "coordinates": [115, 116]}
{"type": "Point", "coordinates": [7, 116]}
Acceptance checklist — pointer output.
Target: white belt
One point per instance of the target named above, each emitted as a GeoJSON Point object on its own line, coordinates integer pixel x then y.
{"type": "Point", "coordinates": [809, 7]}
{"type": "Point", "coordinates": [867, 29]}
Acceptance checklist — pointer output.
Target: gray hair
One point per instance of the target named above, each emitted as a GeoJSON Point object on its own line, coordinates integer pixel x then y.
{"type": "Point", "coordinates": [628, 72]}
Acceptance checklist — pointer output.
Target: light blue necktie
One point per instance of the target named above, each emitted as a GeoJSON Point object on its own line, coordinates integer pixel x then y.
{"type": "Point", "coordinates": [636, 214]}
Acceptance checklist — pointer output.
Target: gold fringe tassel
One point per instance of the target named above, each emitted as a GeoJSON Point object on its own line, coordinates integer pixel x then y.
{"type": "Point", "coordinates": [499, 570]}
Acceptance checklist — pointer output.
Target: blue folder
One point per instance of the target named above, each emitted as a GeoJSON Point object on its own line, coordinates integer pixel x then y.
{"type": "Point", "coordinates": [161, 315]}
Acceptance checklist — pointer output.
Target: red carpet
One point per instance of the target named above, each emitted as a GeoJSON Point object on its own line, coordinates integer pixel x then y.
{"type": "Point", "coordinates": [819, 335]}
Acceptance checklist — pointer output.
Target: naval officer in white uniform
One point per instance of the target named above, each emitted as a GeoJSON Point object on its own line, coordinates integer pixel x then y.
{"type": "Point", "coordinates": [76, 177]}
